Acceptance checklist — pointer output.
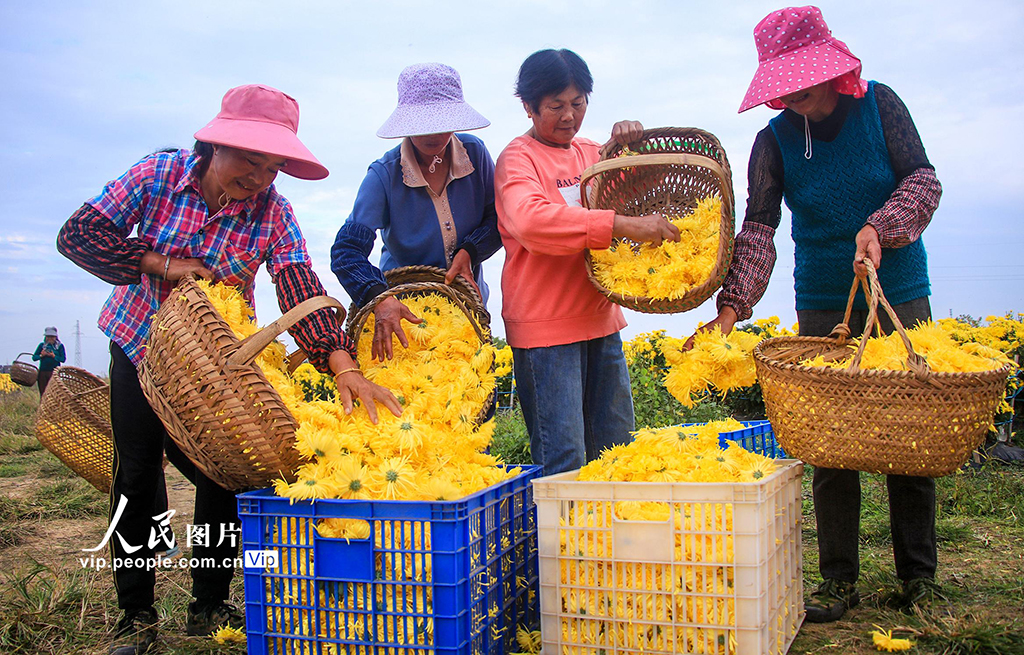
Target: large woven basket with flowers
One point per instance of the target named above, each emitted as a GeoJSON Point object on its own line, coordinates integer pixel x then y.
{"type": "Point", "coordinates": [676, 172]}
{"type": "Point", "coordinates": [410, 281]}
{"type": "Point", "coordinates": [73, 423]}
{"type": "Point", "coordinates": [910, 422]}
{"type": "Point", "coordinates": [216, 404]}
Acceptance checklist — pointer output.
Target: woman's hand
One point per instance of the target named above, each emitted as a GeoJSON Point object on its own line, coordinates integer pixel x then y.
{"type": "Point", "coordinates": [156, 264]}
{"type": "Point", "coordinates": [652, 228]}
{"type": "Point", "coordinates": [388, 317]}
{"type": "Point", "coordinates": [462, 265]}
{"type": "Point", "coordinates": [868, 247]}
{"type": "Point", "coordinates": [725, 320]}
{"type": "Point", "coordinates": [352, 385]}
{"type": "Point", "coordinates": [623, 133]}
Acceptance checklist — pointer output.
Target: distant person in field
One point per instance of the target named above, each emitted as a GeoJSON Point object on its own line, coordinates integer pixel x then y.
{"type": "Point", "coordinates": [845, 155]}
{"type": "Point", "coordinates": [50, 354]}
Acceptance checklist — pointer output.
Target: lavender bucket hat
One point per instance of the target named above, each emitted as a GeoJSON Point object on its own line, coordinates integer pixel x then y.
{"type": "Point", "coordinates": [430, 102]}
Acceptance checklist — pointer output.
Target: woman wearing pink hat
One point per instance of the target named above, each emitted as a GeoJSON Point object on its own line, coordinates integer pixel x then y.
{"type": "Point", "coordinates": [846, 157]}
{"type": "Point", "coordinates": [211, 212]}
{"type": "Point", "coordinates": [431, 198]}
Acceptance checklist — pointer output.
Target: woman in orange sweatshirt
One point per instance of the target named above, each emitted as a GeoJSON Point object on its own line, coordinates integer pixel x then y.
{"type": "Point", "coordinates": [571, 375]}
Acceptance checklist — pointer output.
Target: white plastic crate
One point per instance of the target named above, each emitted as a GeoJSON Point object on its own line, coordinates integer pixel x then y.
{"type": "Point", "coordinates": [719, 571]}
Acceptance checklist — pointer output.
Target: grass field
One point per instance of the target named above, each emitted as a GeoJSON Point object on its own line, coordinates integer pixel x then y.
{"type": "Point", "coordinates": [50, 604]}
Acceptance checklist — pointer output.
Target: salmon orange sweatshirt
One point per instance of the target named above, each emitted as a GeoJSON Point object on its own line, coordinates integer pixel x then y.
{"type": "Point", "coordinates": [546, 297]}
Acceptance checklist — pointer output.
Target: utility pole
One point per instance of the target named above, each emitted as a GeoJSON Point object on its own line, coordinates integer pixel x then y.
{"type": "Point", "coordinates": [78, 344]}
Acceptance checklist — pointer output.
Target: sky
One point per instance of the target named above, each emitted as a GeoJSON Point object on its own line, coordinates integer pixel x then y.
{"type": "Point", "coordinates": [92, 87]}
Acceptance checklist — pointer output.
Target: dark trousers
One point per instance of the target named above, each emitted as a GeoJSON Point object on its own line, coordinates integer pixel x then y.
{"type": "Point", "coordinates": [139, 445]}
{"type": "Point", "coordinates": [837, 491]}
{"type": "Point", "coordinates": [43, 379]}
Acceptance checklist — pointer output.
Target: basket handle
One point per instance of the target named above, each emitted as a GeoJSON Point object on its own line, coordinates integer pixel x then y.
{"type": "Point", "coordinates": [617, 163]}
{"type": "Point", "coordinates": [360, 318]}
{"type": "Point", "coordinates": [19, 357]}
{"type": "Point", "coordinates": [873, 291]}
{"type": "Point", "coordinates": [251, 346]}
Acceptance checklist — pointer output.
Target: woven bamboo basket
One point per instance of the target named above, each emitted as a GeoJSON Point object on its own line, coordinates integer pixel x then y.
{"type": "Point", "coordinates": [73, 423]}
{"type": "Point", "coordinates": [470, 305]}
{"type": "Point", "coordinates": [917, 422]}
{"type": "Point", "coordinates": [215, 403]}
{"type": "Point", "coordinates": [418, 274]}
{"type": "Point", "coordinates": [676, 168]}
{"type": "Point", "coordinates": [24, 373]}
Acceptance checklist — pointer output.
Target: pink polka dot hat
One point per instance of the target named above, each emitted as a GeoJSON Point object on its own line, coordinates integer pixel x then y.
{"type": "Point", "coordinates": [795, 51]}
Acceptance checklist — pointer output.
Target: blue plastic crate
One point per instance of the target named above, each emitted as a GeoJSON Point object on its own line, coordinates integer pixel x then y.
{"type": "Point", "coordinates": [432, 577]}
{"type": "Point", "coordinates": [756, 436]}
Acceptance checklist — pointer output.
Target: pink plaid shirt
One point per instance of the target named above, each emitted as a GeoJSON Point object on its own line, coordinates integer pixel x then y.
{"type": "Point", "coordinates": [161, 198]}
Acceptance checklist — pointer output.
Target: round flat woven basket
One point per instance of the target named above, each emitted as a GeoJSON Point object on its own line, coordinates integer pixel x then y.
{"type": "Point", "coordinates": [73, 423]}
{"type": "Point", "coordinates": [470, 305]}
{"type": "Point", "coordinates": [676, 168]}
{"type": "Point", "coordinates": [917, 422]}
{"type": "Point", "coordinates": [24, 373]}
{"type": "Point", "coordinates": [419, 274]}
{"type": "Point", "coordinates": [216, 404]}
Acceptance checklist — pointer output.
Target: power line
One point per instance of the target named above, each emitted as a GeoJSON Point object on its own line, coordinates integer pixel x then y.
{"type": "Point", "coordinates": [78, 344]}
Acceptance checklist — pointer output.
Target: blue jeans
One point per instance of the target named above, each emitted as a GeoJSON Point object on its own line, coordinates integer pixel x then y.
{"type": "Point", "coordinates": [576, 400]}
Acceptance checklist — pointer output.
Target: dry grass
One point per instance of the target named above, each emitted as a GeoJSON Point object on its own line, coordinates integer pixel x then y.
{"type": "Point", "coordinates": [50, 604]}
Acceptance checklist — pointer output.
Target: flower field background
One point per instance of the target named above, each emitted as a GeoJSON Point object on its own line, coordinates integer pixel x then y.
{"type": "Point", "coordinates": [49, 603]}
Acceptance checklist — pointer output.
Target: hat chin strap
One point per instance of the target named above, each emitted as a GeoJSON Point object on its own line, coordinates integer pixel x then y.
{"type": "Point", "coordinates": [808, 150]}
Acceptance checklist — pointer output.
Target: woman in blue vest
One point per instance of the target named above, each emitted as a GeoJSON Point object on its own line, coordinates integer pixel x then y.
{"type": "Point", "coordinates": [846, 157]}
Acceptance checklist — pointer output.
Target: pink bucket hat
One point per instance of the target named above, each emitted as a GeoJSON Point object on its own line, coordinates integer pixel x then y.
{"type": "Point", "coordinates": [795, 51]}
{"type": "Point", "coordinates": [430, 102]}
{"type": "Point", "coordinates": [263, 119]}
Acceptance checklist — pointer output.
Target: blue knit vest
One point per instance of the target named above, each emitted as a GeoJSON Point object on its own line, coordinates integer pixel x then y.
{"type": "Point", "coordinates": [831, 196]}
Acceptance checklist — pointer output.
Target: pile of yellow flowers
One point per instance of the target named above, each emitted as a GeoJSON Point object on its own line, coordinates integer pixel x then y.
{"type": "Point", "coordinates": [609, 601]}
{"type": "Point", "coordinates": [668, 271]}
{"type": "Point", "coordinates": [716, 361]}
{"type": "Point", "coordinates": [7, 385]}
{"type": "Point", "coordinates": [680, 453]}
{"type": "Point", "coordinates": [932, 341]}
{"type": "Point", "coordinates": [434, 451]}
{"type": "Point", "coordinates": [503, 362]}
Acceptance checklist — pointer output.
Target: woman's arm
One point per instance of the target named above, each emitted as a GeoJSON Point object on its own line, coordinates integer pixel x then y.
{"type": "Point", "coordinates": [350, 254]}
{"type": "Point", "coordinates": [551, 227]}
{"type": "Point", "coordinates": [38, 354]}
{"type": "Point", "coordinates": [908, 211]}
{"type": "Point", "coordinates": [61, 355]}
{"type": "Point", "coordinates": [326, 345]}
{"type": "Point", "coordinates": [754, 250]}
{"type": "Point", "coordinates": [96, 244]}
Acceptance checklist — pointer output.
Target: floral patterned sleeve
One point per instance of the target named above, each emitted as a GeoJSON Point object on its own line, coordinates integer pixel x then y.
{"type": "Point", "coordinates": [754, 251]}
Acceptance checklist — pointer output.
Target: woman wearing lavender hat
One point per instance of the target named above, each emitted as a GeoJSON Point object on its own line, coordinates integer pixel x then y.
{"type": "Point", "coordinates": [431, 197]}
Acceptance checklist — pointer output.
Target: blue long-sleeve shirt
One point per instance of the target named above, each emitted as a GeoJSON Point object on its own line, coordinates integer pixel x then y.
{"type": "Point", "coordinates": [50, 363]}
{"type": "Point", "coordinates": [394, 202]}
